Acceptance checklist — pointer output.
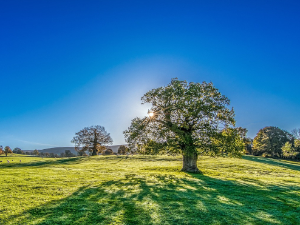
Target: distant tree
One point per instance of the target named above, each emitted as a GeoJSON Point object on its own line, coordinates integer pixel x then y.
{"type": "Point", "coordinates": [35, 152]}
{"type": "Point", "coordinates": [62, 155]}
{"type": "Point", "coordinates": [1, 150]}
{"type": "Point", "coordinates": [247, 141]}
{"type": "Point", "coordinates": [270, 140]}
{"type": "Point", "coordinates": [229, 142]}
{"type": "Point", "coordinates": [47, 154]}
{"type": "Point", "coordinates": [68, 153]}
{"type": "Point", "coordinates": [51, 155]}
{"type": "Point", "coordinates": [17, 151]}
{"type": "Point", "coordinates": [248, 145]}
{"type": "Point", "coordinates": [92, 139]}
{"type": "Point", "coordinates": [42, 154]}
{"type": "Point", "coordinates": [151, 147]}
{"type": "Point", "coordinates": [122, 150]}
{"type": "Point", "coordinates": [81, 151]}
{"type": "Point", "coordinates": [108, 152]}
{"type": "Point", "coordinates": [7, 150]}
{"type": "Point", "coordinates": [184, 116]}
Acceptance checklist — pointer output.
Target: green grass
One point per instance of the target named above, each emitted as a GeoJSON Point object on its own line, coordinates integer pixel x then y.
{"type": "Point", "coordinates": [148, 190]}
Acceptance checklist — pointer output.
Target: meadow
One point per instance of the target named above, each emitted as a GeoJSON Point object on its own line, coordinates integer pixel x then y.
{"type": "Point", "coordinates": [148, 190]}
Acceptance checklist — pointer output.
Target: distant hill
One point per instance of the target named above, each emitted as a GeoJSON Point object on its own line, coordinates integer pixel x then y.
{"type": "Point", "coordinates": [58, 150]}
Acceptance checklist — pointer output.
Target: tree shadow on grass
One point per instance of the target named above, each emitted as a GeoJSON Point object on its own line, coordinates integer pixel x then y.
{"type": "Point", "coordinates": [157, 158]}
{"type": "Point", "coordinates": [166, 199]}
{"type": "Point", "coordinates": [147, 158]}
{"type": "Point", "coordinates": [274, 162]}
{"type": "Point", "coordinates": [45, 163]}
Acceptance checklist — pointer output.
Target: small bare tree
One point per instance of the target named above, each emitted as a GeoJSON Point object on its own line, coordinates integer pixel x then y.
{"type": "Point", "coordinates": [296, 133]}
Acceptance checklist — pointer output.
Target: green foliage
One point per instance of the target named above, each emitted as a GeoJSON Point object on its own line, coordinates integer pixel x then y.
{"type": "Point", "coordinates": [18, 151]}
{"type": "Point", "coordinates": [184, 116]}
{"type": "Point", "coordinates": [148, 190]}
{"type": "Point", "coordinates": [291, 150]}
{"type": "Point", "coordinates": [248, 145]}
{"type": "Point", "coordinates": [122, 150]}
{"type": "Point", "coordinates": [151, 147]}
{"type": "Point", "coordinates": [228, 142]}
{"type": "Point", "coordinates": [91, 139]}
{"type": "Point", "coordinates": [1, 150]}
{"type": "Point", "coordinates": [108, 152]}
{"type": "Point", "coordinates": [68, 153]}
{"type": "Point", "coordinates": [81, 152]}
{"type": "Point", "coordinates": [35, 152]}
{"type": "Point", "coordinates": [297, 143]}
{"type": "Point", "coordinates": [288, 151]}
{"type": "Point", "coordinates": [269, 141]}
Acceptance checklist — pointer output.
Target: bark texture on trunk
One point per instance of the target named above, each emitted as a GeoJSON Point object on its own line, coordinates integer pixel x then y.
{"type": "Point", "coordinates": [190, 154]}
{"type": "Point", "coordinates": [190, 163]}
{"type": "Point", "coordinates": [94, 152]}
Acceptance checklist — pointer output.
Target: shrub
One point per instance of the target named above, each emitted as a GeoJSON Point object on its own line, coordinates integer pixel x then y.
{"type": "Point", "coordinates": [108, 152]}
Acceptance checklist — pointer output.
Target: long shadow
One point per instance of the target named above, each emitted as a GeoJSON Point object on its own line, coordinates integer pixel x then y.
{"type": "Point", "coordinates": [155, 158]}
{"type": "Point", "coordinates": [274, 162]}
{"type": "Point", "coordinates": [147, 158]}
{"type": "Point", "coordinates": [72, 160]}
{"type": "Point", "coordinates": [166, 199]}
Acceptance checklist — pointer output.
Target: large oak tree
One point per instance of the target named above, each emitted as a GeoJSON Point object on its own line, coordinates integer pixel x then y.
{"type": "Point", "coordinates": [184, 116]}
{"type": "Point", "coordinates": [92, 139]}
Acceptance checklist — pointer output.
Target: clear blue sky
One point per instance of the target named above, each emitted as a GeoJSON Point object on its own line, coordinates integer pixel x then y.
{"type": "Point", "coordinates": [65, 65]}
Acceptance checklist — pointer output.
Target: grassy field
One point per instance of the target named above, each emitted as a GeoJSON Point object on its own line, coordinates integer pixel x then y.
{"type": "Point", "coordinates": [148, 190]}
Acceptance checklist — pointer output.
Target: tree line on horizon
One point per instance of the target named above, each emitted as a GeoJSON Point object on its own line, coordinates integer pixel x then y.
{"type": "Point", "coordinates": [122, 150]}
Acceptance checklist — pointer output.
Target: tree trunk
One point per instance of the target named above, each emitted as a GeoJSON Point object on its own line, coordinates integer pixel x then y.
{"type": "Point", "coordinates": [190, 154]}
{"type": "Point", "coordinates": [190, 163]}
{"type": "Point", "coordinates": [95, 151]}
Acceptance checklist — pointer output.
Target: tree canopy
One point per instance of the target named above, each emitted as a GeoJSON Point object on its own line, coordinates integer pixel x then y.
{"type": "Point", "coordinates": [7, 150]}
{"type": "Point", "coordinates": [35, 152]}
{"type": "Point", "coordinates": [184, 117]}
{"type": "Point", "coordinates": [92, 139]}
{"type": "Point", "coordinates": [18, 151]}
{"type": "Point", "coordinates": [123, 150]}
{"type": "Point", "coordinates": [270, 141]}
